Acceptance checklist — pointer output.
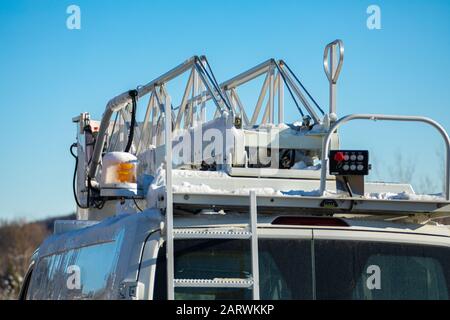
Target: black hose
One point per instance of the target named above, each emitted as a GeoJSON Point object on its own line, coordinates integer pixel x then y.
{"type": "Point", "coordinates": [133, 94]}
{"type": "Point", "coordinates": [74, 180]}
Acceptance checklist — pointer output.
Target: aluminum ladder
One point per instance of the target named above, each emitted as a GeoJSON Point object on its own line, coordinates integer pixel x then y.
{"type": "Point", "coordinates": [249, 233]}
{"type": "Point", "coordinates": [172, 234]}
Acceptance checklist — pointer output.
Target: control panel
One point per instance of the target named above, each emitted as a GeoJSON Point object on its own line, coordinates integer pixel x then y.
{"type": "Point", "coordinates": [349, 162]}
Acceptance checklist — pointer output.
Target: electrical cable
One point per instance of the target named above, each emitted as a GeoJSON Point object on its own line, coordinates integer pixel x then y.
{"type": "Point", "coordinates": [133, 94]}
{"type": "Point", "coordinates": [290, 91]}
{"type": "Point", "coordinates": [215, 80]}
{"type": "Point", "coordinates": [74, 180]}
{"type": "Point", "coordinates": [135, 203]}
{"type": "Point", "coordinates": [303, 87]}
{"type": "Point", "coordinates": [350, 192]}
{"type": "Point", "coordinates": [214, 83]}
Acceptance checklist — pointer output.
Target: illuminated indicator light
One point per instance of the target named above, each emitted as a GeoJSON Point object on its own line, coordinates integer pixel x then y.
{"type": "Point", "coordinates": [339, 156]}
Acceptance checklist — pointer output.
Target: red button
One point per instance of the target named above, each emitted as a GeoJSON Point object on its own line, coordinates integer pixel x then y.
{"type": "Point", "coordinates": [339, 156]}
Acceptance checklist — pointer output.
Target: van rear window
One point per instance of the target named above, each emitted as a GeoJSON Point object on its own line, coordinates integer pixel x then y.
{"type": "Point", "coordinates": [378, 270]}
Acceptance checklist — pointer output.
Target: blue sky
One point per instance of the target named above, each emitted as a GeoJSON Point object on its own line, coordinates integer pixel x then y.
{"type": "Point", "coordinates": [48, 74]}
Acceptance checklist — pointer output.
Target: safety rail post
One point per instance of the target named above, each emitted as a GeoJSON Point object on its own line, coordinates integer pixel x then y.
{"type": "Point", "coordinates": [254, 244]}
{"type": "Point", "coordinates": [169, 200]}
{"type": "Point", "coordinates": [333, 69]}
{"type": "Point", "coordinates": [341, 121]}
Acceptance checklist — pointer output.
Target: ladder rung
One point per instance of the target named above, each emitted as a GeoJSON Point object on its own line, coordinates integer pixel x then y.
{"type": "Point", "coordinates": [210, 234]}
{"type": "Point", "coordinates": [214, 283]}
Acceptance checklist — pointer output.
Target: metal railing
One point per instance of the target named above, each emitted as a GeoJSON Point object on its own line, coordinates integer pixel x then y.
{"type": "Point", "coordinates": [375, 117]}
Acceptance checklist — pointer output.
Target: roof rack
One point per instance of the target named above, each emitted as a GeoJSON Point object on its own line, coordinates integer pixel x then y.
{"type": "Point", "coordinates": [314, 135]}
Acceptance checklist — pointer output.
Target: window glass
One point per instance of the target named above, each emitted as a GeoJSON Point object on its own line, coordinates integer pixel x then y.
{"type": "Point", "coordinates": [81, 273]}
{"type": "Point", "coordinates": [368, 270]}
{"type": "Point", "coordinates": [285, 268]}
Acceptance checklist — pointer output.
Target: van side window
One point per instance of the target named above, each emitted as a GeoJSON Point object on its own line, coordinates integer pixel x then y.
{"type": "Point", "coordinates": [285, 268]}
{"type": "Point", "coordinates": [81, 273]}
{"type": "Point", "coordinates": [379, 270]}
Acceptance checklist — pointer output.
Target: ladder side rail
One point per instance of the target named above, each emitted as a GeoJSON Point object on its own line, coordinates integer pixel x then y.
{"type": "Point", "coordinates": [254, 244]}
{"type": "Point", "coordinates": [375, 117]}
{"type": "Point", "coordinates": [169, 200]}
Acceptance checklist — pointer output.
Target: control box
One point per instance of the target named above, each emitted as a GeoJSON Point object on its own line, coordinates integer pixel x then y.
{"type": "Point", "coordinates": [349, 162]}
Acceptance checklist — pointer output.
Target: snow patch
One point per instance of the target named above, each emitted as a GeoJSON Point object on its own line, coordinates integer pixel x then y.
{"type": "Point", "coordinates": [403, 196]}
{"type": "Point", "coordinates": [301, 165]}
{"type": "Point", "coordinates": [157, 188]}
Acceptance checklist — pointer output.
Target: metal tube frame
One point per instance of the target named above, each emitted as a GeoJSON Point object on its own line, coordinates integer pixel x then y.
{"type": "Point", "coordinates": [254, 244]}
{"type": "Point", "coordinates": [119, 102]}
{"type": "Point", "coordinates": [375, 117]}
{"type": "Point", "coordinates": [169, 201]}
{"type": "Point", "coordinates": [333, 69]}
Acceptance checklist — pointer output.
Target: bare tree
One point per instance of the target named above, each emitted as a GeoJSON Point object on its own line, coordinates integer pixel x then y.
{"type": "Point", "coordinates": [403, 170]}
{"type": "Point", "coordinates": [18, 240]}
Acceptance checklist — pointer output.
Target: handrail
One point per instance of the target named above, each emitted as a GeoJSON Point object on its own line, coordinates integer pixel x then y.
{"type": "Point", "coordinates": [341, 121]}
